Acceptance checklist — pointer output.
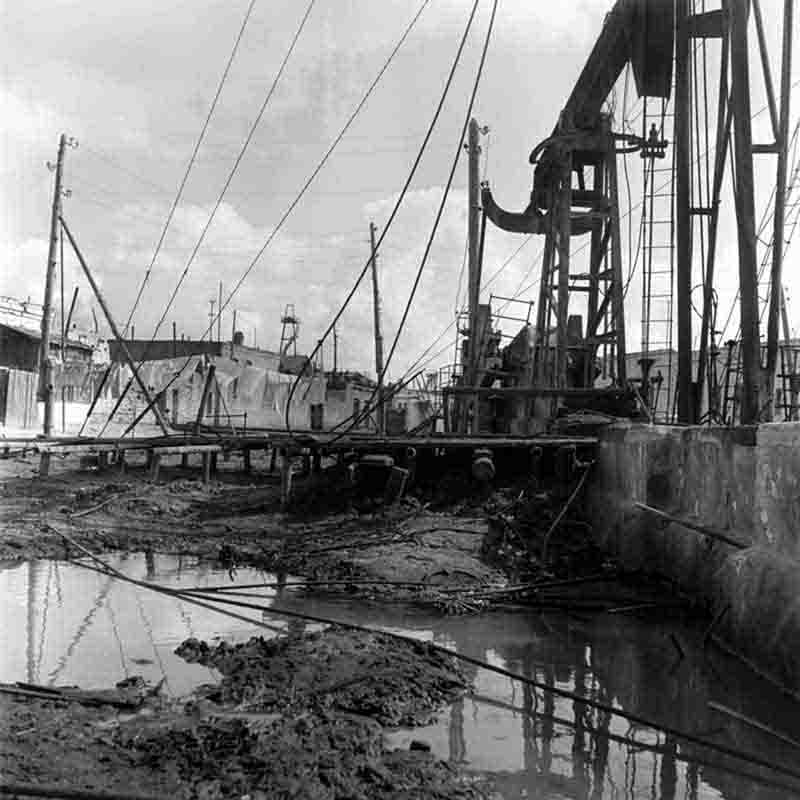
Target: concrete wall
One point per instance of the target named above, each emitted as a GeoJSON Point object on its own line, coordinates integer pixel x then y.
{"type": "Point", "coordinates": [741, 481]}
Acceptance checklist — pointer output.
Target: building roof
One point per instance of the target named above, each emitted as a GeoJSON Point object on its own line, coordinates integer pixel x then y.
{"type": "Point", "coordinates": [37, 337]}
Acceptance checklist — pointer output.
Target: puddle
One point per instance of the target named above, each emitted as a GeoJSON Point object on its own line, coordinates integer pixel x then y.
{"type": "Point", "coordinates": [66, 625]}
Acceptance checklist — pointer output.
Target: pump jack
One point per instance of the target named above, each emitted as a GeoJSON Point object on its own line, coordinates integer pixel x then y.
{"type": "Point", "coordinates": [575, 194]}
{"type": "Point", "coordinates": [582, 150]}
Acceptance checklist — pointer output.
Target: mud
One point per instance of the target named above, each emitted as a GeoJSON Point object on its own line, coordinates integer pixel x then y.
{"type": "Point", "coordinates": [368, 674]}
{"type": "Point", "coordinates": [300, 716]}
{"type": "Point", "coordinates": [303, 715]}
{"type": "Point", "coordinates": [237, 519]}
{"type": "Point", "coordinates": [106, 510]}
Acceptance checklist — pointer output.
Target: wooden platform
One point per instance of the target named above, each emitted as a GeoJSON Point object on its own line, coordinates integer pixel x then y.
{"type": "Point", "coordinates": [209, 444]}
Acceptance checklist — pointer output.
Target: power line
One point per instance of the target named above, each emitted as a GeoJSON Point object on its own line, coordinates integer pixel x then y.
{"type": "Point", "coordinates": [222, 194]}
{"type": "Point", "coordinates": [190, 164]}
{"type": "Point", "coordinates": [398, 202]}
{"type": "Point", "coordinates": [316, 171]}
{"type": "Point", "coordinates": [462, 270]}
{"type": "Point", "coordinates": [112, 162]}
{"type": "Point", "coordinates": [446, 192]}
{"type": "Point", "coordinates": [236, 164]}
{"type": "Point", "coordinates": [500, 269]}
{"type": "Point", "coordinates": [520, 290]}
{"type": "Point", "coordinates": [437, 220]}
{"type": "Point", "coordinates": [327, 155]}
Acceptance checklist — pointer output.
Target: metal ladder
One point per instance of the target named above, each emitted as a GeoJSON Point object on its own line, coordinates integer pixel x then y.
{"type": "Point", "coordinates": [658, 251]}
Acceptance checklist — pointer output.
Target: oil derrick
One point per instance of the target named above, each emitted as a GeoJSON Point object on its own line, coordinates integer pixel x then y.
{"type": "Point", "coordinates": [575, 194]}
{"type": "Point", "coordinates": [290, 328]}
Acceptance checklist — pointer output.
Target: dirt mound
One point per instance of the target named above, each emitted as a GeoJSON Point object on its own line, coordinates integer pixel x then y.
{"type": "Point", "coordinates": [371, 674]}
{"type": "Point", "coordinates": [318, 755]}
{"type": "Point", "coordinates": [301, 716]}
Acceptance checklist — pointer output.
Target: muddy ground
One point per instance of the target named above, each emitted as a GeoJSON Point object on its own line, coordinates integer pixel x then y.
{"type": "Point", "coordinates": [300, 716]}
{"type": "Point", "coordinates": [297, 716]}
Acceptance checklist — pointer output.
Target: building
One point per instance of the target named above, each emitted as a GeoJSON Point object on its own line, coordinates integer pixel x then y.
{"type": "Point", "coordinates": [163, 349]}
{"type": "Point", "coordinates": [19, 376]}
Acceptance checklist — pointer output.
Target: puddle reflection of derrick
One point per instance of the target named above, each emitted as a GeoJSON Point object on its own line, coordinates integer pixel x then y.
{"type": "Point", "coordinates": [30, 641]}
{"type": "Point", "coordinates": [148, 628]}
{"type": "Point", "coordinates": [457, 743]}
{"type": "Point", "coordinates": [567, 746]}
{"type": "Point", "coordinates": [115, 630]}
{"type": "Point", "coordinates": [43, 632]}
{"type": "Point", "coordinates": [84, 626]}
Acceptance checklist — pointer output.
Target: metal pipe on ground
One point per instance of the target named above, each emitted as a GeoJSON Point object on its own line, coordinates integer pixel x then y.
{"type": "Point", "coordinates": [706, 531]}
{"type": "Point", "coordinates": [54, 790]}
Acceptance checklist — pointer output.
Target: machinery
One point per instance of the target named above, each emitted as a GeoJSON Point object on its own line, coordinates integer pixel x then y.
{"type": "Point", "coordinates": [577, 346]}
{"type": "Point", "coordinates": [575, 195]}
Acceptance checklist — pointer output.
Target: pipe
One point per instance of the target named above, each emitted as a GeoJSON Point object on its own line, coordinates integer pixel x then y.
{"type": "Point", "coordinates": [54, 790]}
{"type": "Point", "coordinates": [710, 532]}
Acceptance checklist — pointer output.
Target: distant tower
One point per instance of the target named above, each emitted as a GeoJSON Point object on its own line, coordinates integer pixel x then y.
{"type": "Point", "coordinates": [290, 328]}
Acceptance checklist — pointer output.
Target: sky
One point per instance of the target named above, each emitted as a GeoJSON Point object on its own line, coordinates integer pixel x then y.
{"type": "Point", "coordinates": [132, 82]}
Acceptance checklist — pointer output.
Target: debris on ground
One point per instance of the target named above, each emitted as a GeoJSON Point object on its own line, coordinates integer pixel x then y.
{"type": "Point", "coordinates": [300, 716]}
{"type": "Point", "coordinates": [391, 681]}
{"type": "Point", "coordinates": [314, 754]}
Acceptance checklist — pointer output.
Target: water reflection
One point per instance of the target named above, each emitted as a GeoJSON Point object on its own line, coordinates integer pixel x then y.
{"type": "Point", "coordinates": [63, 625]}
{"type": "Point", "coordinates": [66, 625]}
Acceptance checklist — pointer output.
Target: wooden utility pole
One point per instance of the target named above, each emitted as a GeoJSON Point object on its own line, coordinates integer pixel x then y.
{"type": "Point", "coordinates": [376, 306]}
{"type": "Point", "coordinates": [71, 311]}
{"type": "Point", "coordinates": [473, 271]}
{"type": "Point", "coordinates": [335, 349]}
{"type": "Point", "coordinates": [201, 409]}
{"type": "Point", "coordinates": [473, 245]}
{"type": "Point", "coordinates": [45, 392]}
{"type": "Point", "coordinates": [233, 331]}
{"type": "Point", "coordinates": [63, 332]}
{"type": "Point", "coordinates": [219, 316]}
{"type": "Point", "coordinates": [683, 220]}
{"type": "Point", "coordinates": [115, 330]}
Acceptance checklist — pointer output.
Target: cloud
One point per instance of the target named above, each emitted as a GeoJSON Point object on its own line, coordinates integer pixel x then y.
{"type": "Point", "coordinates": [23, 272]}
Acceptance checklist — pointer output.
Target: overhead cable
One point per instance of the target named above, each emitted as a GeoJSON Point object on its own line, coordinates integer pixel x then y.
{"type": "Point", "coordinates": [394, 211]}
{"type": "Point", "coordinates": [190, 164]}
{"type": "Point", "coordinates": [446, 192]}
{"type": "Point", "coordinates": [322, 163]}
{"type": "Point", "coordinates": [310, 180]}
{"type": "Point", "coordinates": [437, 220]}
{"type": "Point", "coordinates": [222, 193]}
{"type": "Point", "coordinates": [235, 166]}
{"type": "Point", "coordinates": [209, 600]}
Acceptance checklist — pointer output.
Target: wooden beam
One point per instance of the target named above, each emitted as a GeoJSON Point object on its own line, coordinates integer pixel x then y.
{"type": "Point", "coordinates": [113, 325]}
{"type": "Point", "coordinates": [201, 409]}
